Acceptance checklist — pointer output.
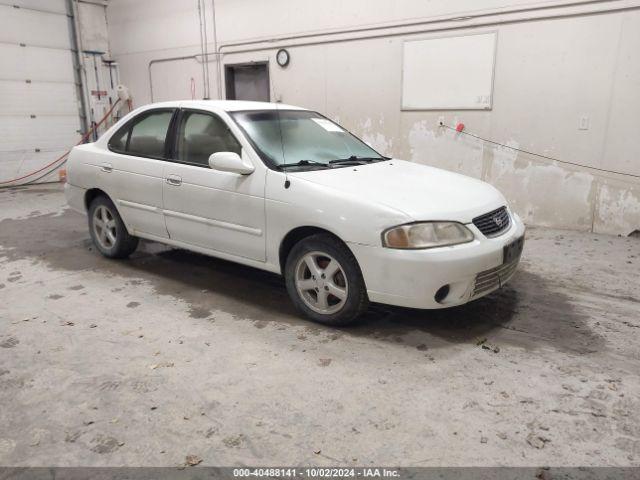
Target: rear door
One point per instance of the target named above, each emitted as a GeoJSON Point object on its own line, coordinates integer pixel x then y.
{"type": "Point", "coordinates": [133, 171]}
{"type": "Point", "coordinates": [208, 208]}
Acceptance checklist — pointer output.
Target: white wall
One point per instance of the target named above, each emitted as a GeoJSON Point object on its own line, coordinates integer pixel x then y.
{"type": "Point", "coordinates": [554, 65]}
{"type": "Point", "coordinates": [146, 30]}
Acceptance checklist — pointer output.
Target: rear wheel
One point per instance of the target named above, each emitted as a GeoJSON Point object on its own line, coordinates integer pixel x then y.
{"type": "Point", "coordinates": [108, 231]}
{"type": "Point", "coordinates": [324, 281]}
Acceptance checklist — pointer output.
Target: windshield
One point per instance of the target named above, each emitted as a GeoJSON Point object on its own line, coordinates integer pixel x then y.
{"type": "Point", "coordinates": [308, 138]}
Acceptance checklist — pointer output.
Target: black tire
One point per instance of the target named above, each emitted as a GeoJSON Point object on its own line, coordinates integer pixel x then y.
{"type": "Point", "coordinates": [356, 301]}
{"type": "Point", "coordinates": [124, 244]}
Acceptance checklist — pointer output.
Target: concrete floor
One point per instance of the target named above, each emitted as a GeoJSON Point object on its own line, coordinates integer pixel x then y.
{"type": "Point", "coordinates": [168, 354]}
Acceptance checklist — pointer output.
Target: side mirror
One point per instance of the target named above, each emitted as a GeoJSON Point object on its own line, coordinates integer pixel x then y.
{"type": "Point", "coordinates": [229, 162]}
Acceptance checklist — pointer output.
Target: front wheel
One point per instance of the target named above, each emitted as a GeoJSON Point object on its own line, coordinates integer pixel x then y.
{"type": "Point", "coordinates": [324, 281]}
{"type": "Point", "coordinates": [108, 231]}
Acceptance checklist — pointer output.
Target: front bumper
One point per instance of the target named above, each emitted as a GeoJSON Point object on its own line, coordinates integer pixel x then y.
{"type": "Point", "coordinates": [411, 278]}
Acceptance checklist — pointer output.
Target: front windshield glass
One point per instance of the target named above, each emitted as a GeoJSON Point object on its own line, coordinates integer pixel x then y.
{"type": "Point", "coordinates": [307, 137]}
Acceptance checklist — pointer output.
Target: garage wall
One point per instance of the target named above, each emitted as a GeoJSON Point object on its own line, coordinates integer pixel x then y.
{"type": "Point", "coordinates": [566, 85]}
{"type": "Point", "coordinates": [44, 85]}
{"type": "Point", "coordinates": [39, 115]}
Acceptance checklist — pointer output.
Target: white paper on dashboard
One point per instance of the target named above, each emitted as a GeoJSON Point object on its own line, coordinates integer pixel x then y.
{"type": "Point", "coordinates": [327, 125]}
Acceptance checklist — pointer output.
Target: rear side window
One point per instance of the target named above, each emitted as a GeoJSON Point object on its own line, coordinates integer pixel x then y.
{"type": "Point", "coordinates": [145, 136]}
{"type": "Point", "coordinates": [200, 135]}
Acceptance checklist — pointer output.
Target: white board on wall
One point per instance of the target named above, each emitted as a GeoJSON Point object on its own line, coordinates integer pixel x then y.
{"type": "Point", "coordinates": [449, 73]}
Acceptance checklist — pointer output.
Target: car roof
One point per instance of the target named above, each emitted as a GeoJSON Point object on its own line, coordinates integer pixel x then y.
{"type": "Point", "coordinates": [226, 105]}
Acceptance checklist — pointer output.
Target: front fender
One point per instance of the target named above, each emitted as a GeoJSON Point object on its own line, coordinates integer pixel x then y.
{"type": "Point", "coordinates": [307, 204]}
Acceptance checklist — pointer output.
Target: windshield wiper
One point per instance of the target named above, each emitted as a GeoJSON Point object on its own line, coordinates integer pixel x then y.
{"type": "Point", "coordinates": [354, 159]}
{"type": "Point", "coordinates": [303, 163]}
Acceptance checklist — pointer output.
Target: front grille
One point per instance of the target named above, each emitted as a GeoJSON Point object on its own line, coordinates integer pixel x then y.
{"type": "Point", "coordinates": [493, 223]}
{"type": "Point", "coordinates": [494, 278]}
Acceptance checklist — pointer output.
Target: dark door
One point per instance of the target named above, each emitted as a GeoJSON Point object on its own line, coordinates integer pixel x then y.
{"type": "Point", "coordinates": [248, 82]}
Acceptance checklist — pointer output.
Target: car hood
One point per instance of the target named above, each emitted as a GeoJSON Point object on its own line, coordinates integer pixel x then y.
{"type": "Point", "coordinates": [419, 191]}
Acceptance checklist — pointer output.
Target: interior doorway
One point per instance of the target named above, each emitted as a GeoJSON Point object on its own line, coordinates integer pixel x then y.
{"type": "Point", "coordinates": [248, 81]}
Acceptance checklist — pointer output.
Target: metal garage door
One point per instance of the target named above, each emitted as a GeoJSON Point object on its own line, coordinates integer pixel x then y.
{"type": "Point", "coordinates": [39, 117]}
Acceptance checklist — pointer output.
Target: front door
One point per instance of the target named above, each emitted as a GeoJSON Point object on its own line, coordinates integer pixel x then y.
{"type": "Point", "coordinates": [220, 211]}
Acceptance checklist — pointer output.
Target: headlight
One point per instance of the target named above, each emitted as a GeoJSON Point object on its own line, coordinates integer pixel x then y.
{"type": "Point", "coordinates": [426, 235]}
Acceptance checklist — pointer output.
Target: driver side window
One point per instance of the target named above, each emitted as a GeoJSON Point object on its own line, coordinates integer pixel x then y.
{"type": "Point", "coordinates": [200, 135]}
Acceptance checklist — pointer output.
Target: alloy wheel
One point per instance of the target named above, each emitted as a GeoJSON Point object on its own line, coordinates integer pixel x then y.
{"type": "Point", "coordinates": [321, 282]}
{"type": "Point", "coordinates": [104, 227]}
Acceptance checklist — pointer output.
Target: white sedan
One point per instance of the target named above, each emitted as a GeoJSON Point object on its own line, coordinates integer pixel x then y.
{"type": "Point", "coordinates": [287, 190]}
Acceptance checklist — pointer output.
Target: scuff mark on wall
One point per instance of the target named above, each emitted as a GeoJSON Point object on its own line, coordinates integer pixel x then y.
{"type": "Point", "coordinates": [374, 138]}
{"type": "Point", "coordinates": [617, 208]}
{"type": "Point", "coordinates": [431, 146]}
{"type": "Point", "coordinates": [543, 194]}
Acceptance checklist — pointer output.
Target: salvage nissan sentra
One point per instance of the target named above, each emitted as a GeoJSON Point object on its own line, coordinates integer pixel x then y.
{"type": "Point", "coordinates": [287, 190]}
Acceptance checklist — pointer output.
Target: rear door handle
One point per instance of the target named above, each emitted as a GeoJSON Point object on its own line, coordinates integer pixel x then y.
{"type": "Point", "coordinates": [106, 167]}
{"type": "Point", "coordinates": [174, 180]}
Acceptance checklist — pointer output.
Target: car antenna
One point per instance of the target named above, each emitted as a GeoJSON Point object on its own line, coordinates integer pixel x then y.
{"type": "Point", "coordinates": [287, 183]}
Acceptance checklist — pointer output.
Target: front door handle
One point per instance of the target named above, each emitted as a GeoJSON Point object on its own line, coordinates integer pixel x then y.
{"type": "Point", "coordinates": [106, 167]}
{"type": "Point", "coordinates": [174, 180]}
